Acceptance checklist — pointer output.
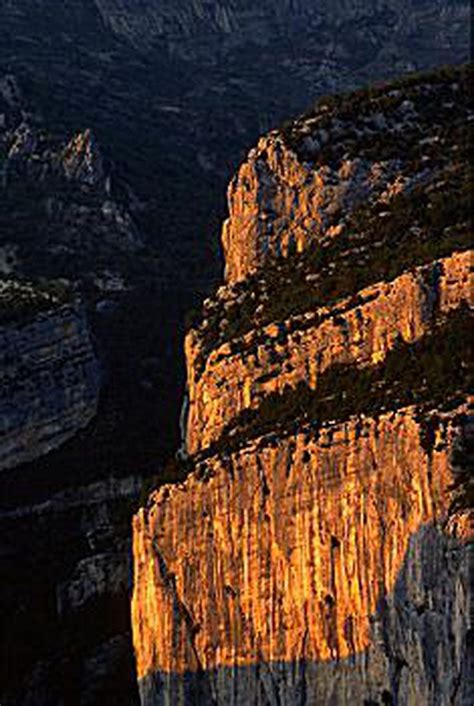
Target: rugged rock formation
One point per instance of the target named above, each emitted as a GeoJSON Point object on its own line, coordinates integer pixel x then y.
{"type": "Point", "coordinates": [304, 184]}
{"type": "Point", "coordinates": [314, 555]}
{"type": "Point", "coordinates": [65, 232]}
{"type": "Point", "coordinates": [60, 209]}
{"type": "Point", "coordinates": [172, 92]}
{"type": "Point", "coordinates": [50, 375]}
{"type": "Point", "coordinates": [176, 90]}
{"type": "Point", "coordinates": [67, 214]}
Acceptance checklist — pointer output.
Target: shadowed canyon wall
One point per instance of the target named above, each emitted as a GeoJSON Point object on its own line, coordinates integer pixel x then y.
{"type": "Point", "coordinates": [64, 517]}
{"type": "Point", "coordinates": [65, 618]}
{"type": "Point", "coordinates": [314, 554]}
{"type": "Point", "coordinates": [50, 376]}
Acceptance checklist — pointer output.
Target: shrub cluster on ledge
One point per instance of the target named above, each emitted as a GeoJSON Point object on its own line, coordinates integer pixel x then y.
{"type": "Point", "coordinates": [430, 92]}
{"type": "Point", "coordinates": [22, 301]}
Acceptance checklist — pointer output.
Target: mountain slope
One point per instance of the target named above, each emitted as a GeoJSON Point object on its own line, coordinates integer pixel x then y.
{"type": "Point", "coordinates": [158, 100]}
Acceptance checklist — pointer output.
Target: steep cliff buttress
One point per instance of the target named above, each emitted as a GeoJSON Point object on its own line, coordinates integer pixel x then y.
{"type": "Point", "coordinates": [316, 553]}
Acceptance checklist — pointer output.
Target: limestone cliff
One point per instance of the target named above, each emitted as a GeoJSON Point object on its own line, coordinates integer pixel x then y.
{"type": "Point", "coordinates": [360, 331]}
{"type": "Point", "coordinates": [314, 555]}
{"type": "Point", "coordinates": [313, 569]}
{"type": "Point", "coordinates": [50, 375]}
{"type": "Point", "coordinates": [305, 184]}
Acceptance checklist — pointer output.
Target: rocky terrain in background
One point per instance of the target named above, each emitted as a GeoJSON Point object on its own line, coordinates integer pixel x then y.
{"type": "Point", "coordinates": [66, 232]}
{"type": "Point", "coordinates": [66, 216]}
{"type": "Point", "coordinates": [317, 552]}
{"type": "Point", "coordinates": [173, 91]}
{"type": "Point", "coordinates": [50, 375]}
{"type": "Point", "coordinates": [58, 220]}
{"type": "Point", "coordinates": [62, 212]}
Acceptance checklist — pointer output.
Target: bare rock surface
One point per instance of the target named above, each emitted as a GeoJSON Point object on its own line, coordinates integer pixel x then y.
{"type": "Point", "coordinates": [50, 375]}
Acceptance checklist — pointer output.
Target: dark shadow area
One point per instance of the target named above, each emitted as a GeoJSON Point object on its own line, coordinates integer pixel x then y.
{"type": "Point", "coordinates": [65, 624]}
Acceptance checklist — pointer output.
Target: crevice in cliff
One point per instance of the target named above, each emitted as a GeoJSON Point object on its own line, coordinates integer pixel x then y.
{"type": "Point", "coordinates": [192, 628]}
{"type": "Point", "coordinates": [304, 641]}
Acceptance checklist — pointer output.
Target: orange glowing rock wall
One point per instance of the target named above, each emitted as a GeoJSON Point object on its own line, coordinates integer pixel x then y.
{"type": "Point", "coordinates": [357, 332]}
{"type": "Point", "coordinates": [312, 550]}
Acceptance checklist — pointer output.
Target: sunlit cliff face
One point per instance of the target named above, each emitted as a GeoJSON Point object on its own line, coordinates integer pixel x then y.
{"type": "Point", "coordinates": [311, 550]}
{"type": "Point", "coordinates": [361, 331]}
{"type": "Point", "coordinates": [312, 556]}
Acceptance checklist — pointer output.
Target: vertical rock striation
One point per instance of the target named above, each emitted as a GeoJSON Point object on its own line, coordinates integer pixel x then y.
{"type": "Point", "coordinates": [314, 555]}
{"type": "Point", "coordinates": [313, 569]}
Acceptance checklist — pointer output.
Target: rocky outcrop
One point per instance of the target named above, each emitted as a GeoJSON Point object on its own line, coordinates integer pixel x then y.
{"type": "Point", "coordinates": [61, 191]}
{"type": "Point", "coordinates": [302, 185]}
{"type": "Point", "coordinates": [82, 160]}
{"type": "Point", "coordinates": [174, 136]}
{"type": "Point", "coordinates": [360, 331]}
{"type": "Point", "coordinates": [316, 554]}
{"type": "Point", "coordinates": [153, 80]}
{"type": "Point", "coordinates": [50, 374]}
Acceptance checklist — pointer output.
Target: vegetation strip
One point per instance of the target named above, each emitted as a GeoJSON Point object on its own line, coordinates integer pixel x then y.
{"type": "Point", "coordinates": [412, 374]}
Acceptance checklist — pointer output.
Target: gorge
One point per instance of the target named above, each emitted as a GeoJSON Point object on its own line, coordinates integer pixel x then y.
{"type": "Point", "coordinates": [346, 265]}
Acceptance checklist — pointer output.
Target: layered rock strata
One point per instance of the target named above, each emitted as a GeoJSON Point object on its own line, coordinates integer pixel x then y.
{"type": "Point", "coordinates": [360, 330]}
{"type": "Point", "coordinates": [316, 553]}
{"type": "Point", "coordinates": [50, 375]}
